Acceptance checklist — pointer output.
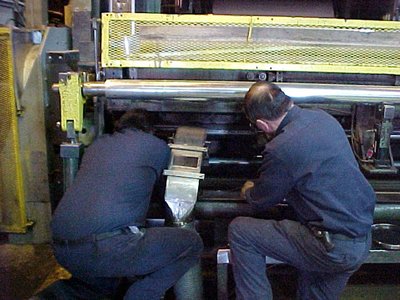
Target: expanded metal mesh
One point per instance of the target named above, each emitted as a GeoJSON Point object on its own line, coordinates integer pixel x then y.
{"type": "Point", "coordinates": [251, 43]}
{"type": "Point", "coordinates": [12, 217]}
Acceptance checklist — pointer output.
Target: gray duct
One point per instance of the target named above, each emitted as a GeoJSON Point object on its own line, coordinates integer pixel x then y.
{"type": "Point", "coordinates": [183, 175]}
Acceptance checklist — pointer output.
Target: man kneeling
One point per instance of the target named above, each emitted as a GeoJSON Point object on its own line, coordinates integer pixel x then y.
{"type": "Point", "coordinates": [98, 226]}
{"type": "Point", "coordinates": [308, 162]}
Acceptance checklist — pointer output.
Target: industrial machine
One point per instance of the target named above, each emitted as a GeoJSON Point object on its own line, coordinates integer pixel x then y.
{"type": "Point", "coordinates": [193, 70]}
{"type": "Point", "coordinates": [190, 63]}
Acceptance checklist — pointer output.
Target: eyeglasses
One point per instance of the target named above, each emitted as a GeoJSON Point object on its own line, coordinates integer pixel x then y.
{"type": "Point", "coordinates": [253, 126]}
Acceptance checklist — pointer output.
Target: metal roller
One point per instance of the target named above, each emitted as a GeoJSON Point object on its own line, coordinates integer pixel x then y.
{"type": "Point", "coordinates": [235, 90]}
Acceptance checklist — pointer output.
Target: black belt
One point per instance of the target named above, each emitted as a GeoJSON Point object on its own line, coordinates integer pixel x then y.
{"type": "Point", "coordinates": [343, 237]}
{"type": "Point", "coordinates": [92, 238]}
{"type": "Point", "coordinates": [326, 237]}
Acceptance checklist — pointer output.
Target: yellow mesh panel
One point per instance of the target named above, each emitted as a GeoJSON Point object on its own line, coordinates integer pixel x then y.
{"type": "Point", "coordinates": [12, 209]}
{"type": "Point", "coordinates": [250, 43]}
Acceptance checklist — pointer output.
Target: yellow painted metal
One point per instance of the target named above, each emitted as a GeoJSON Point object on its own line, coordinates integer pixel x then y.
{"type": "Point", "coordinates": [198, 41]}
{"type": "Point", "coordinates": [255, 20]}
{"type": "Point", "coordinates": [72, 101]}
{"type": "Point", "coordinates": [12, 199]}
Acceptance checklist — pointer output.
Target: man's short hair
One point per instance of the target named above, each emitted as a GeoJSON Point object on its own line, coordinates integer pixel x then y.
{"type": "Point", "coordinates": [265, 100]}
{"type": "Point", "coordinates": [135, 119]}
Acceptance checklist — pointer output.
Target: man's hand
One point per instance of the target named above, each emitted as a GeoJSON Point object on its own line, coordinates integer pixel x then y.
{"type": "Point", "coordinates": [247, 185]}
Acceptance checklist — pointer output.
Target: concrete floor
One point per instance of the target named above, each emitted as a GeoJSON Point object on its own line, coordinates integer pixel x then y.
{"type": "Point", "coordinates": [26, 269]}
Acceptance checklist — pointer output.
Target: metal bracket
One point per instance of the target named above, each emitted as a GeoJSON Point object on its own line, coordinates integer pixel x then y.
{"type": "Point", "coordinates": [372, 126]}
{"type": "Point", "coordinates": [72, 100]}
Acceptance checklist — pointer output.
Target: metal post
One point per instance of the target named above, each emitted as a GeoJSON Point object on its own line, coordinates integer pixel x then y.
{"type": "Point", "coordinates": [71, 153]}
{"type": "Point", "coordinates": [190, 285]}
{"type": "Point", "coordinates": [36, 14]}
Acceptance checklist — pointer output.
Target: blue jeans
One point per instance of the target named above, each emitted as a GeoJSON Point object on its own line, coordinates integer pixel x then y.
{"type": "Point", "coordinates": [322, 274]}
{"type": "Point", "coordinates": [156, 258]}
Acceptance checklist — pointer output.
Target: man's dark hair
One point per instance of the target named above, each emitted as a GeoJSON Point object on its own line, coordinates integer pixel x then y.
{"type": "Point", "coordinates": [135, 119]}
{"type": "Point", "coordinates": [265, 100]}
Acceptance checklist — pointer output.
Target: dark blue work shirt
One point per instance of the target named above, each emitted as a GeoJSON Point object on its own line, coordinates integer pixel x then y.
{"type": "Point", "coordinates": [113, 186]}
{"type": "Point", "coordinates": [310, 164]}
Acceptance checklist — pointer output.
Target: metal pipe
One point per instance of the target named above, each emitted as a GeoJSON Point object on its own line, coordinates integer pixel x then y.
{"type": "Point", "coordinates": [70, 168]}
{"type": "Point", "coordinates": [96, 31]}
{"type": "Point", "coordinates": [215, 208]}
{"type": "Point", "coordinates": [95, 9]}
{"type": "Point", "coordinates": [389, 211]}
{"type": "Point", "coordinates": [190, 285]}
{"type": "Point", "coordinates": [234, 90]}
